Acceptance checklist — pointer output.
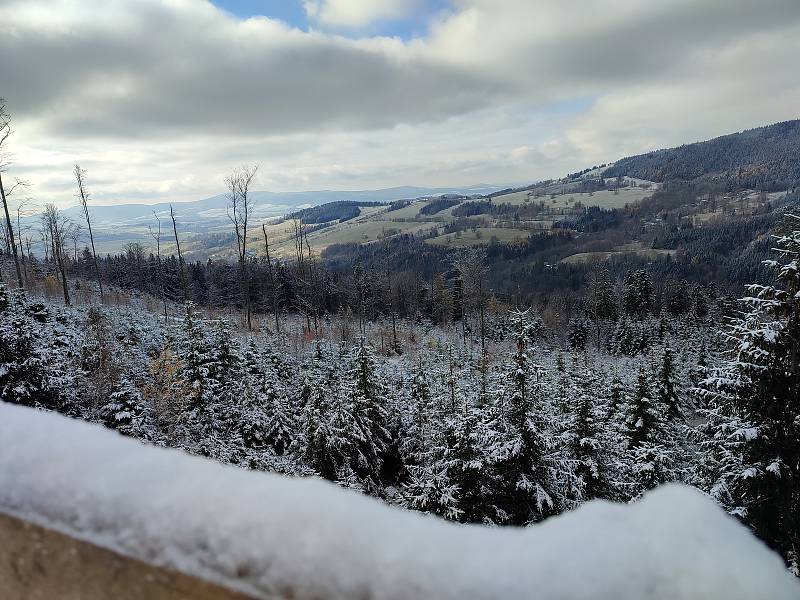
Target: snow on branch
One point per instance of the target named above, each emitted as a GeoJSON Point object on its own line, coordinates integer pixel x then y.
{"type": "Point", "coordinates": [303, 538]}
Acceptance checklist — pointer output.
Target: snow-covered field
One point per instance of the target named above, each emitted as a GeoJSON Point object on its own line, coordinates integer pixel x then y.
{"type": "Point", "coordinates": [304, 538]}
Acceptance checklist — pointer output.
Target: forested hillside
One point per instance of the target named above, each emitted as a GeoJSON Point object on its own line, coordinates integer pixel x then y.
{"type": "Point", "coordinates": [444, 367]}
{"type": "Point", "coordinates": [479, 413]}
{"type": "Point", "coordinates": [766, 158]}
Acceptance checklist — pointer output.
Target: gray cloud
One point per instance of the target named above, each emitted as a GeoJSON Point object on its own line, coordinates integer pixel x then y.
{"type": "Point", "coordinates": [155, 69]}
{"type": "Point", "coordinates": [159, 99]}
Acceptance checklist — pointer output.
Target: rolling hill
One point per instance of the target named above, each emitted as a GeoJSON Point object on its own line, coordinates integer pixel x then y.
{"type": "Point", "coordinates": [765, 159]}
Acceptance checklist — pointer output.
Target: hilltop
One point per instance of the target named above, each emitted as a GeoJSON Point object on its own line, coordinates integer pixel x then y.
{"type": "Point", "coordinates": [765, 158]}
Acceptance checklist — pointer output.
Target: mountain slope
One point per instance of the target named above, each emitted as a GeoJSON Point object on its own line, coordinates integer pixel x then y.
{"type": "Point", "coordinates": [267, 204]}
{"type": "Point", "coordinates": [766, 158]}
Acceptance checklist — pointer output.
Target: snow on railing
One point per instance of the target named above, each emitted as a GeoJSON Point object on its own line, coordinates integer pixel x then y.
{"type": "Point", "coordinates": [271, 536]}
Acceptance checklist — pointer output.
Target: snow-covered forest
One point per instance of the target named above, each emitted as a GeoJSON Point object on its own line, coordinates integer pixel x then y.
{"type": "Point", "coordinates": [493, 417]}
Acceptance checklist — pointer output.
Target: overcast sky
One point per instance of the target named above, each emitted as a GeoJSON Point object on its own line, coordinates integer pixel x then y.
{"type": "Point", "coordinates": [159, 99]}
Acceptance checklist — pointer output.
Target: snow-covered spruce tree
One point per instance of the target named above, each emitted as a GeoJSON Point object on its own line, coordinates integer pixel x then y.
{"type": "Point", "coordinates": [126, 411]}
{"type": "Point", "coordinates": [630, 338]}
{"type": "Point", "coordinates": [369, 435]}
{"type": "Point", "coordinates": [252, 412]}
{"type": "Point", "coordinates": [251, 398]}
{"type": "Point", "coordinates": [23, 373]}
{"type": "Point", "coordinates": [616, 398]}
{"type": "Point", "coordinates": [431, 491]}
{"type": "Point", "coordinates": [637, 298]}
{"type": "Point", "coordinates": [194, 355]}
{"type": "Point", "coordinates": [205, 426]}
{"type": "Point", "coordinates": [591, 453]}
{"type": "Point", "coordinates": [419, 435]}
{"type": "Point", "coordinates": [578, 334]}
{"type": "Point", "coordinates": [224, 383]}
{"type": "Point", "coordinates": [753, 428]}
{"type": "Point", "coordinates": [700, 370]}
{"type": "Point", "coordinates": [650, 447]}
{"type": "Point", "coordinates": [328, 446]}
{"type": "Point", "coordinates": [224, 362]}
{"type": "Point", "coordinates": [667, 393]}
{"type": "Point", "coordinates": [281, 422]}
{"type": "Point", "coordinates": [464, 457]}
{"type": "Point", "coordinates": [252, 359]}
{"type": "Point", "coordinates": [526, 492]}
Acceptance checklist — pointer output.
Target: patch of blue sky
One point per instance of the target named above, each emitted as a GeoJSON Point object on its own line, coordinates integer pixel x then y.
{"type": "Point", "coordinates": [292, 13]}
{"type": "Point", "coordinates": [573, 106]}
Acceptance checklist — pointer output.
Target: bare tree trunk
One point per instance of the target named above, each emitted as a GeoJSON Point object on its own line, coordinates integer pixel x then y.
{"type": "Point", "coordinates": [272, 282]}
{"type": "Point", "coordinates": [301, 274]}
{"type": "Point", "coordinates": [60, 262]}
{"type": "Point", "coordinates": [159, 275]}
{"type": "Point", "coordinates": [313, 297]}
{"type": "Point", "coordinates": [10, 232]}
{"type": "Point", "coordinates": [180, 257]}
{"type": "Point", "coordinates": [395, 343]}
{"type": "Point", "coordinates": [483, 322]}
{"type": "Point", "coordinates": [239, 209]}
{"type": "Point", "coordinates": [57, 225]}
{"type": "Point", "coordinates": [84, 197]}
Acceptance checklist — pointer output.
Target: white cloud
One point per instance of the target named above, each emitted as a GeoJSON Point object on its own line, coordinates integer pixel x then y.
{"type": "Point", "coordinates": [160, 98]}
{"type": "Point", "coordinates": [357, 13]}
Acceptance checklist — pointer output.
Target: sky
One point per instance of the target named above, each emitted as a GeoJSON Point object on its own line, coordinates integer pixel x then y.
{"type": "Point", "coordinates": [159, 99]}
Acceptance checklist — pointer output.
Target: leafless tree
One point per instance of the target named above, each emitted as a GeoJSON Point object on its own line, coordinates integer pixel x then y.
{"type": "Point", "coordinates": [273, 285]}
{"type": "Point", "coordinates": [23, 210]}
{"type": "Point", "coordinates": [5, 133]}
{"type": "Point", "coordinates": [470, 263]}
{"type": "Point", "coordinates": [58, 228]}
{"type": "Point", "coordinates": [156, 235]}
{"type": "Point", "coordinates": [83, 196]}
{"type": "Point", "coordinates": [44, 233]}
{"type": "Point", "coordinates": [181, 262]}
{"type": "Point", "coordinates": [240, 207]}
{"type": "Point", "coordinates": [75, 235]}
{"type": "Point", "coordinates": [390, 293]}
{"type": "Point", "coordinates": [308, 280]}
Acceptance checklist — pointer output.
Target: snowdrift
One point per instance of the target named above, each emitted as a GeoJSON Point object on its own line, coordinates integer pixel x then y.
{"type": "Point", "coordinates": [271, 536]}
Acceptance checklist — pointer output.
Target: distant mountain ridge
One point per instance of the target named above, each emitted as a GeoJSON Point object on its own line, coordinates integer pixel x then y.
{"type": "Point", "coordinates": [765, 158]}
{"type": "Point", "coordinates": [267, 204]}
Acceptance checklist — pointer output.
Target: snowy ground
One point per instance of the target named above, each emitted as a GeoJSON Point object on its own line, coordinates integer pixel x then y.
{"type": "Point", "coordinates": [305, 538]}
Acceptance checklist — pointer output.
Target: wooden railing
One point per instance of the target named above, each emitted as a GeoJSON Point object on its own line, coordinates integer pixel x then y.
{"type": "Point", "coordinates": [38, 563]}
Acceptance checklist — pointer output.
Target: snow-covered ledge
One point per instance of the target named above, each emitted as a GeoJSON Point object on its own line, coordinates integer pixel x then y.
{"type": "Point", "coordinates": [274, 537]}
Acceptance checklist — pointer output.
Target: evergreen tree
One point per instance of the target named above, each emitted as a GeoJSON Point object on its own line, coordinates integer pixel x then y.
{"type": "Point", "coordinates": [466, 462]}
{"type": "Point", "coordinates": [667, 395]}
{"type": "Point", "coordinates": [651, 450]}
{"type": "Point", "coordinates": [224, 362]}
{"type": "Point", "coordinates": [430, 491]}
{"type": "Point", "coordinates": [280, 424]}
{"type": "Point", "coordinates": [578, 334]}
{"type": "Point", "coordinates": [23, 369]}
{"type": "Point", "coordinates": [368, 433]}
{"type": "Point", "coordinates": [616, 398]}
{"type": "Point", "coordinates": [420, 434]}
{"type": "Point", "coordinates": [126, 411]}
{"type": "Point", "coordinates": [587, 448]}
{"type": "Point", "coordinates": [253, 415]}
{"type": "Point", "coordinates": [643, 416]}
{"type": "Point", "coordinates": [527, 487]}
{"type": "Point", "coordinates": [327, 425]}
{"type": "Point", "coordinates": [601, 303]}
{"type": "Point", "coordinates": [754, 409]}
{"type": "Point", "coordinates": [637, 296]}
{"type": "Point", "coordinates": [195, 358]}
